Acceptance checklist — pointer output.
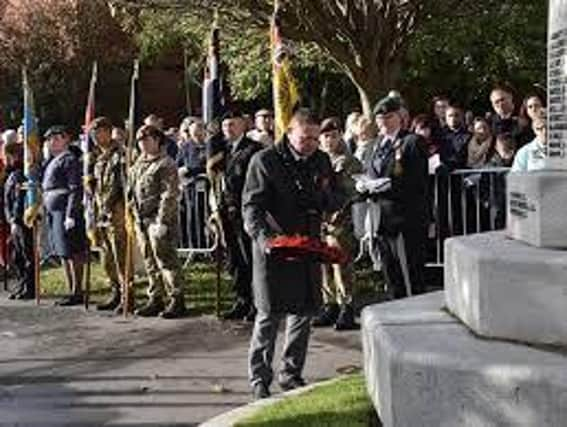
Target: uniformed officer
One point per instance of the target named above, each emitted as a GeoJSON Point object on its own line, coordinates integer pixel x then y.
{"type": "Point", "coordinates": [338, 232]}
{"type": "Point", "coordinates": [403, 224]}
{"type": "Point", "coordinates": [237, 150]}
{"type": "Point", "coordinates": [20, 235]}
{"type": "Point", "coordinates": [62, 197]}
{"type": "Point", "coordinates": [288, 188]}
{"type": "Point", "coordinates": [109, 179]}
{"type": "Point", "coordinates": [153, 191]}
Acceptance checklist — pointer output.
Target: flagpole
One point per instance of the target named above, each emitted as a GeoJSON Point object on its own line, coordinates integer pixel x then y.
{"type": "Point", "coordinates": [129, 264]}
{"type": "Point", "coordinates": [36, 260]}
{"type": "Point", "coordinates": [87, 181]}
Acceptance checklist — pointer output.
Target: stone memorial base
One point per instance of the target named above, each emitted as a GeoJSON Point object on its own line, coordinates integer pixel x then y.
{"type": "Point", "coordinates": [424, 368]}
{"type": "Point", "coordinates": [537, 208]}
{"type": "Point", "coordinates": [503, 288]}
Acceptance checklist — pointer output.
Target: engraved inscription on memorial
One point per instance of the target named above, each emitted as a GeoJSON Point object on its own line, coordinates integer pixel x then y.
{"type": "Point", "coordinates": [520, 205]}
{"type": "Point", "coordinates": [557, 82]}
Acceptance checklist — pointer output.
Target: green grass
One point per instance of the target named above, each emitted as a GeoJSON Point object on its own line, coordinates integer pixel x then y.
{"type": "Point", "coordinates": [199, 280]}
{"type": "Point", "coordinates": [342, 403]}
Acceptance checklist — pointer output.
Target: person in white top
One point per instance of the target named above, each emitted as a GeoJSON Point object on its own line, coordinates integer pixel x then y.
{"type": "Point", "coordinates": [531, 157]}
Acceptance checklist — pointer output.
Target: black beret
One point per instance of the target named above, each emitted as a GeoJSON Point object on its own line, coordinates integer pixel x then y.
{"type": "Point", "coordinates": [330, 124]}
{"type": "Point", "coordinates": [101, 123]}
{"type": "Point", "coordinates": [232, 114]}
{"type": "Point", "coordinates": [387, 105]}
{"type": "Point", "coordinates": [56, 130]}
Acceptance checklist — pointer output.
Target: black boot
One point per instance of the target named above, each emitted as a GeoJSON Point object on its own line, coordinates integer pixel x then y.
{"type": "Point", "coordinates": [112, 302]}
{"type": "Point", "coordinates": [345, 320]}
{"type": "Point", "coordinates": [175, 309]}
{"type": "Point", "coordinates": [152, 308]}
{"type": "Point", "coordinates": [327, 316]}
{"type": "Point", "coordinates": [238, 311]}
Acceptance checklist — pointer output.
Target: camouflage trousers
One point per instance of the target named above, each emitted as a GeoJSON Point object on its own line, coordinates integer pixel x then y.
{"type": "Point", "coordinates": [113, 244]}
{"type": "Point", "coordinates": [161, 263]}
{"type": "Point", "coordinates": [337, 280]}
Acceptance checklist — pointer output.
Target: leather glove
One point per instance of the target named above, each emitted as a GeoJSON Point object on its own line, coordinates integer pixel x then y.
{"type": "Point", "coordinates": [157, 230]}
{"type": "Point", "coordinates": [69, 223]}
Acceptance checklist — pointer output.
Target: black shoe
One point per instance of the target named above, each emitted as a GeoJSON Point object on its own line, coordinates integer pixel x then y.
{"type": "Point", "coordinates": [345, 320]}
{"type": "Point", "coordinates": [238, 311]}
{"type": "Point", "coordinates": [327, 316]}
{"type": "Point", "coordinates": [26, 295]}
{"type": "Point", "coordinates": [175, 309]}
{"type": "Point", "coordinates": [260, 391]}
{"type": "Point", "coordinates": [70, 300]}
{"type": "Point", "coordinates": [291, 383]}
{"type": "Point", "coordinates": [16, 294]}
{"type": "Point", "coordinates": [251, 316]}
{"type": "Point", "coordinates": [152, 308]}
{"type": "Point", "coordinates": [111, 303]}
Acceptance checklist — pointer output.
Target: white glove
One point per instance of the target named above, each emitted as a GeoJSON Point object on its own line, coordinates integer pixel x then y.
{"type": "Point", "coordinates": [360, 187]}
{"type": "Point", "coordinates": [69, 223]}
{"type": "Point", "coordinates": [14, 229]}
{"type": "Point", "coordinates": [157, 231]}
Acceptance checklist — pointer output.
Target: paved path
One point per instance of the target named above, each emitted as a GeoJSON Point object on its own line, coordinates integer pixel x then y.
{"type": "Point", "coordinates": [68, 367]}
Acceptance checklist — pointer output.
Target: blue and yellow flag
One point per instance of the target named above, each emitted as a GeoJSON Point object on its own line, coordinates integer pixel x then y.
{"type": "Point", "coordinates": [32, 159]}
{"type": "Point", "coordinates": [286, 94]}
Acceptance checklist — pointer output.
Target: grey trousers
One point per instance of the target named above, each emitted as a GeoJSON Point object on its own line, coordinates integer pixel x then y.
{"type": "Point", "coordinates": [263, 343]}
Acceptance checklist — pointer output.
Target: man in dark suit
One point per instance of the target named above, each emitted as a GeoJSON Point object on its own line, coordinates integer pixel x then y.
{"type": "Point", "coordinates": [288, 188]}
{"type": "Point", "coordinates": [237, 150]}
{"type": "Point", "coordinates": [401, 235]}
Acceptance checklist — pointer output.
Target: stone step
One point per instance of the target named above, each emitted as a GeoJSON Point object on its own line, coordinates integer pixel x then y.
{"type": "Point", "coordinates": [503, 288]}
{"type": "Point", "coordinates": [424, 368]}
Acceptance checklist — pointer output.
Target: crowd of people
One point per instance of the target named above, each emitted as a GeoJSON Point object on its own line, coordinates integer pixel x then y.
{"type": "Point", "coordinates": [308, 183]}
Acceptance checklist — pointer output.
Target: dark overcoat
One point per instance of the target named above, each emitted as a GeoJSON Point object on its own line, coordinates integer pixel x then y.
{"type": "Point", "coordinates": [286, 195]}
{"type": "Point", "coordinates": [405, 205]}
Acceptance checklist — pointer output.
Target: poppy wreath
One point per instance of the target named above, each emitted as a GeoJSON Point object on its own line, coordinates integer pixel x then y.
{"type": "Point", "coordinates": [296, 247]}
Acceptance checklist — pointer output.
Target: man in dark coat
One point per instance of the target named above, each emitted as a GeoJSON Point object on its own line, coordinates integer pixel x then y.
{"type": "Point", "coordinates": [402, 231]}
{"type": "Point", "coordinates": [456, 138]}
{"type": "Point", "coordinates": [235, 153]}
{"type": "Point", "coordinates": [288, 188]}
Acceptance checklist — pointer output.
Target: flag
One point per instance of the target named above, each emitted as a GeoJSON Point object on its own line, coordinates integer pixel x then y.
{"type": "Point", "coordinates": [213, 100]}
{"type": "Point", "coordinates": [286, 94]}
{"type": "Point", "coordinates": [213, 109]}
{"type": "Point", "coordinates": [134, 118]}
{"type": "Point", "coordinates": [32, 161]}
{"type": "Point", "coordinates": [89, 160]}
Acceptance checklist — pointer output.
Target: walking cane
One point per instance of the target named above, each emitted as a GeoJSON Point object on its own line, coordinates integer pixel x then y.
{"type": "Point", "coordinates": [6, 253]}
{"type": "Point", "coordinates": [218, 256]}
{"type": "Point", "coordinates": [36, 260]}
{"type": "Point", "coordinates": [87, 278]}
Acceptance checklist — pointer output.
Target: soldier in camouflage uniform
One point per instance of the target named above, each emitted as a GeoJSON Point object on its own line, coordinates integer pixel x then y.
{"type": "Point", "coordinates": [338, 231]}
{"type": "Point", "coordinates": [153, 197]}
{"type": "Point", "coordinates": [109, 176]}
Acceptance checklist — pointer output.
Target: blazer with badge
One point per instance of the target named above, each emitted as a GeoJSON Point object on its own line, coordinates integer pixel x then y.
{"type": "Point", "coordinates": [284, 195]}
{"type": "Point", "coordinates": [405, 163]}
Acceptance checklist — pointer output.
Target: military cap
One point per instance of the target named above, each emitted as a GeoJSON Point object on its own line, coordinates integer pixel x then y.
{"type": "Point", "coordinates": [330, 124]}
{"type": "Point", "coordinates": [56, 130]}
{"type": "Point", "coordinates": [263, 113]}
{"type": "Point", "coordinates": [232, 114]}
{"type": "Point", "coordinates": [387, 105]}
{"type": "Point", "coordinates": [101, 123]}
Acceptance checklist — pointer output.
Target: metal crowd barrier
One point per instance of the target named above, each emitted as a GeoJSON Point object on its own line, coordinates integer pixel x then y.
{"type": "Point", "coordinates": [463, 202]}
{"type": "Point", "coordinates": [195, 236]}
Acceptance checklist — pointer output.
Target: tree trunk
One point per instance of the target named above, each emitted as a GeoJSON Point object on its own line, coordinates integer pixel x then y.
{"type": "Point", "coordinates": [374, 83]}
